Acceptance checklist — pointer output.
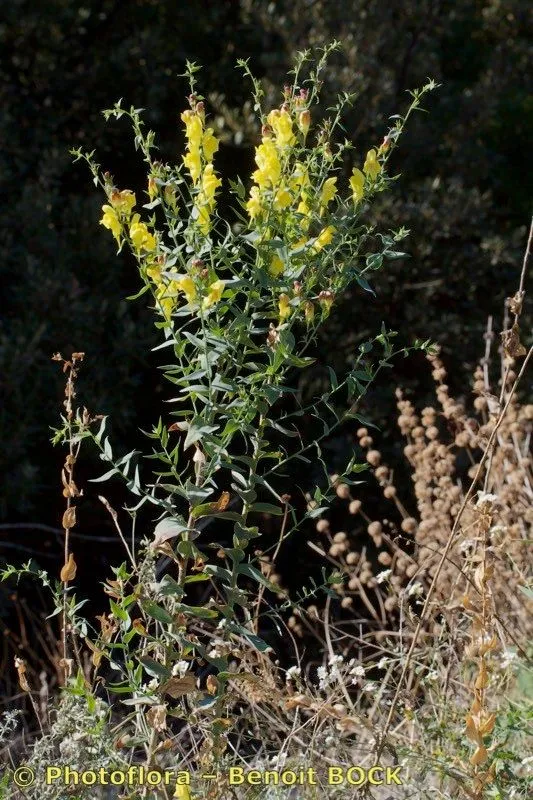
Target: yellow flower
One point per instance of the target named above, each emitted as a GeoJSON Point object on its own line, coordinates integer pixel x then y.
{"type": "Point", "coordinates": [170, 196]}
{"type": "Point", "coordinates": [186, 285]}
{"type": "Point", "coordinates": [153, 270]}
{"type": "Point", "coordinates": [372, 167]}
{"type": "Point", "coordinates": [282, 199]}
{"type": "Point", "coordinates": [193, 162]}
{"type": "Point", "coordinates": [205, 202]}
{"type": "Point", "coordinates": [111, 221]}
{"type": "Point", "coordinates": [123, 201]}
{"type": "Point", "coordinates": [215, 293]}
{"type": "Point", "coordinates": [182, 792]}
{"type": "Point", "coordinates": [210, 184]}
{"type": "Point", "coordinates": [357, 182]}
{"type": "Point", "coordinates": [281, 124]}
{"type": "Point", "coordinates": [267, 160]}
{"type": "Point", "coordinates": [276, 266]}
{"type": "Point", "coordinates": [152, 188]}
{"type": "Point", "coordinates": [209, 144]}
{"type": "Point", "coordinates": [163, 296]}
{"type": "Point", "coordinates": [304, 121]}
{"type": "Point", "coordinates": [309, 312]}
{"type": "Point", "coordinates": [204, 219]}
{"type": "Point", "coordinates": [328, 191]}
{"type": "Point", "coordinates": [300, 176]}
{"type": "Point", "coordinates": [140, 235]}
{"type": "Point", "coordinates": [324, 238]}
{"type": "Point", "coordinates": [254, 205]}
{"type": "Point", "coordinates": [284, 307]}
{"type": "Point", "coordinates": [193, 128]}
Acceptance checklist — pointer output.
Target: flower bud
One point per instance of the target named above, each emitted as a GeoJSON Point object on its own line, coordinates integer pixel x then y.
{"type": "Point", "coordinates": [309, 312]}
{"type": "Point", "coordinates": [297, 287]}
{"type": "Point", "coordinates": [326, 298]}
{"type": "Point", "coordinates": [304, 121]}
{"type": "Point", "coordinates": [152, 188]}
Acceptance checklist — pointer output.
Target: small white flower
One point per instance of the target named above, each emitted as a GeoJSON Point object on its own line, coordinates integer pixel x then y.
{"type": "Point", "coordinates": [508, 657]}
{"type": "Point", "coordinates": [485, 497]}
{"type": "Point", "coordinates": [369, 687]}
{"type": "Point", "coordinates": [180, 668]}
{"type": "Point", "coordinates": [381, 577]}
{"type": "Point", "coordinates": [335, 660]}
{"type": "Point", "coordinates": [383, 662]}
{"type": "Point", "coordinates": [293, 673]}
{"type": "Point", "coordinates": [415, 589]}
{"type": "Point", "coordinates": [358, 671]}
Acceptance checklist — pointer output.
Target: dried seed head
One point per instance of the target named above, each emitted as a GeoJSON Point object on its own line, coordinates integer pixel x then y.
{"type": "Point", "coordinates": [373, 457]}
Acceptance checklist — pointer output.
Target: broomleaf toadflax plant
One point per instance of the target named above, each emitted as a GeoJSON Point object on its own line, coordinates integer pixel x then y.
{"type": "Point", "coordinates": [238, 299]}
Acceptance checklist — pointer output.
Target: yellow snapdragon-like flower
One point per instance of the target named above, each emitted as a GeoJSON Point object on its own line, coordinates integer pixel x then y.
{"type": "Point", "coordinates": [215, 293]}
{"type": "Point", "coordinates": [205, 201]}
{"type": "Point", "coordinates": [281, 124]}
{"type": "Point", "coordinates": [372, 167]}
{"type": "Point", "coordinates": [357, 183]}
{"type": "Point", "coordinates": [209, 144]}
{"type": "Point", "coordinates": [165, 296]}
{"type": "Point", "coordinates": [140, 236]}
{"type": "Point", "coordinates": [170, 196]}
{"type": "Point", "coordinates": [282, 198]}
{"type": "Point", "coordinates": [254, 206]}
{"type": "Point", "coordinates": [186, 285]}
{"type": "Point", "coordinates": [193, 162]}
{"type": "Point", "coordinates": [324, 238]}
{"type": "Point", "coordinates": [111, 221]}
{"type": "Point", "coordinates": [284, 308]}
{"type": "Point", "coordinates": [193, 128]}
{"type": "Point", "coordinates": [276, 266]}
{"type": "Point", "coordinates": [328, 192]}
{"type": "Point", "coordinates": [123, 201]}
{"type": "Point", "coordinates": [268, 163]}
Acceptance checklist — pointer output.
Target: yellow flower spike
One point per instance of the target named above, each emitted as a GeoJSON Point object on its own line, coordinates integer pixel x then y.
{"type": "Point", "coordinates": [140, 236]}
{"type": "Point", "coordinates": [284, 307]}
{"type": "Point", "coordinates": [357, 183]}
{"type": "Point", "coordinates": [276, 266]}
{"type": "Point", "coordinates": [186, 285]}
{"type": "Point", "coordinates": [282, 199]}
{"type": "Point", "coordinates": [372, 167]}
{"type": "Point", "coordinates": [325, 237]}
{"type": "Point", "coordinates": [328, 192]}
{"type": "Point", "coordinates": [123, 201]}
{"type": "Point", "coordinates": [215, 293]}
{"type": "Point", "coordinates": [254, 205]}
{"type": "Point", "coordinates": [111, 221]}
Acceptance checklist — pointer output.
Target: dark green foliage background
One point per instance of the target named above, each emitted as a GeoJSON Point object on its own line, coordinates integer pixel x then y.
{"type": "Point", "coordinates": [463, 191]}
